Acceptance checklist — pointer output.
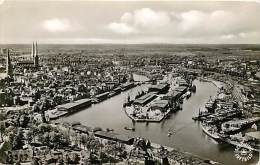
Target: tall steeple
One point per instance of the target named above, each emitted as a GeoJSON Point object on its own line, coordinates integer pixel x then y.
{"type": "Point", "coordinates": [36, 57]}
{"type": "Point", "coordinates": [9, 69]}
{"type": "Point", "coordinates": [33, 50]}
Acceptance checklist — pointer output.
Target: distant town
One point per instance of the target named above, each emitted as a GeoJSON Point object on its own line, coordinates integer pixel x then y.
{"type": "Point", "coordinates": [206, 91]}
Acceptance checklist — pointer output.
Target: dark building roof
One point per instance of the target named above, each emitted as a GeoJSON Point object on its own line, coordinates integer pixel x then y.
{"type": "Point", "coordinates": [145, 98]}
{"type": "Point", "coordinates": [160, 103]}
{"type": "Point", "coordinates": [159, 86]}
{"type": "Point", "coordinates": [114, 136]}
{"type": "Point", "coordinates": [82, 128]}
{"type": "Point", "coordinates": [76, 104]}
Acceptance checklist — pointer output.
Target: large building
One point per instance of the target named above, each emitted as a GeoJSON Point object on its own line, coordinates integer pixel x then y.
{"type": "Point", "coordinates": [33, 62]}
{"type": "Point", "coordinates": [9, 67]}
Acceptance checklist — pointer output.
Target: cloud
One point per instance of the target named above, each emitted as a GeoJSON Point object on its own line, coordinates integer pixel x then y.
{"type": "Point", "coordinates": [228, 37]}
{"type": "Point", "coordinates": [60, 25]}
{"type": "Point", "coordinates": [191, 20]}
{"type": "Point", "coordinates": [126, 17]}
{"type": "Point", "coordinates": [149, 18]}
{"type": "Point", "coordinates": [145, 18]}
{"type": "Point", "coordinates": [199, 25]}
{"type": "Point", "coordinates": [121, 28]}
{"type": "Point", "coordinates": [56, 25]}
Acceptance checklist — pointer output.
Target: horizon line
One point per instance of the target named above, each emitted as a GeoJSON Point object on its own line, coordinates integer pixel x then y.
{"type": "Point", "coordinates": [159, 43]}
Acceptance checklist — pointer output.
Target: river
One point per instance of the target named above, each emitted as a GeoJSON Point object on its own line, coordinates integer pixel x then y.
{"type": "Point", "coordinates": [189, 136]}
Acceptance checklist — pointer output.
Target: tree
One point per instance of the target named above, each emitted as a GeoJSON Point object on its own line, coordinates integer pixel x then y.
{"type": "Point", "coordinates": [2, 130]}
{"type": "Point", "coordinates": [18, 141]}
{"type": "Point", "coordinates": [24, 120]}
{"type": "Point", "coordinates": [84, 140]}
{"type": "Point", "coordinates": [76, 159]}
{"type": "Point", "coordinates": [35, 161]}
{"type": "Point", "coordinates": [29, 136]}
{"type": "Point", "coordinates": [35, 132]}
{"type": "Point", "coordinates": [44, 128]}
{"type": "Point", "coordinates": [57, 139]}
{"type": "Point", "coordinates": [60, 162]}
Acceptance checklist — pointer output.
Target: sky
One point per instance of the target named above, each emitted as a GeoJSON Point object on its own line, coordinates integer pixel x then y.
{"type": "Point", "coordinates": [129, 22]}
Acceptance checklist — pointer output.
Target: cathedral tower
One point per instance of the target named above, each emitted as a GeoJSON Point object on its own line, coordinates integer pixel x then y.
{"type": "Point", "coordinates": [36, 56]}
{"type": "Point", "coordinates": [33, 50]}
{"type": "Point", "coordinates": [9, 69]}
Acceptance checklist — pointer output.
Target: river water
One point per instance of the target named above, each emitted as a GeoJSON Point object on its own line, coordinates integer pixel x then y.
{"type": "Point", "coordinates": [189, 136]}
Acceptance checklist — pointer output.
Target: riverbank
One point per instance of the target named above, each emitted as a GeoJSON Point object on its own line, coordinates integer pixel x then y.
{"type": "Point", "coordinates": [157, 151]}
{"type": "Point", "coordinates": [224, 112]}
{"type": "Point", "coordinates": [218, 84]}
{"type": "Point", "coordinates": [176, 156]}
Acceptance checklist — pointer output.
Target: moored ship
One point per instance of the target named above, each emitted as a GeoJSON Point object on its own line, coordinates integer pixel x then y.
{"type": "Point", "coordinates": [210, 130]}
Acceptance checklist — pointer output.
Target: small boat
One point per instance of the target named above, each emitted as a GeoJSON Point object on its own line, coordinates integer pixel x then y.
{"type": "Point", "coordinates": [94, 100]}
{"type": "Point", "coordinates": [188, 95]}
{"type": "Point", "coordinates": [193, 88]}
{"type": "Point", "coordinates": [129, 128]}
{"type": "Point", "coordinates": [109, 130]}
{"type": "Point", "coordinates": [195, 118]}
{"type": "Point", "coordinates": [181, 101]}
{"type": "Point", "coordinates": [169, 133]}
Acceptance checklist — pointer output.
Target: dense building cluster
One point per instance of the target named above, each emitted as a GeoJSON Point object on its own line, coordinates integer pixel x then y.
{"type": "Point", "coordinates": [39, 87]}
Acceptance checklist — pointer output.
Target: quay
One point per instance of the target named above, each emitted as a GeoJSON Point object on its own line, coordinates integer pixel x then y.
{"type": "Point", "coordinates": [67, 109]}
{"type": "Point", "coordinates": [73, 107]}
{"type": "Point", "coordinates": [240, 145]}
{"type": "Point", "coordinates": [218, 121]}
{"type": "Point", "coordinates": [160, 100]}
{"type": "Point", "coordinates": [236, 126]}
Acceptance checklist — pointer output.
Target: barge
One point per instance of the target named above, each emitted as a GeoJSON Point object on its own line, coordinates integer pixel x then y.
{"type": "Point", "coordinates": [127, 86]}
{"type": "Point", "coordinates": [102, 96]}
{"type": "Point", "coordinates": [210, 130]}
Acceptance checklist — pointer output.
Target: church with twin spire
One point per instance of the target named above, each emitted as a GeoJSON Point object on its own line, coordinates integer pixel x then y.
{"type": "Point", "coordinates": [33, 62]}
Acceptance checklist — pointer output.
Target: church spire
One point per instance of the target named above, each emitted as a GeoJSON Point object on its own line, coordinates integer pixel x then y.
{"type": "Point", "coordinates": [9, 71]}
{"type": "Point", "coordinates": [36, 57]}
{"type": "Point", "coordinates": [36, 49]}
{"type": "Point", "coordinates": [33, 50]}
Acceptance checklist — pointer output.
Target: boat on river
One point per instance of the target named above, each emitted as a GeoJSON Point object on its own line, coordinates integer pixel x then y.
{"type": "Point", "coordinates": [193, 88]}
{"type": "Point", "coordinates": [188, 95]}
{"type": "Point", "coordinates": [109, 130]}
{"type": "Point", "coordinates": [181, 100]}
{"type": "Point", "coordinates": [129, 128]}
{"type": "Point", "coordinates": [210, 130]}
{"type": "Point", "coordinates": [169, 133]}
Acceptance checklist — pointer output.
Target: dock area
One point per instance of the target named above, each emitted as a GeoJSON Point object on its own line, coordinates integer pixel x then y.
{"type": "Point", "coordinates": [159, 101]}
{"type": "Point", "coordinates": [223, 120]}
{"type": "Point", "coordinates": [72, 107]}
